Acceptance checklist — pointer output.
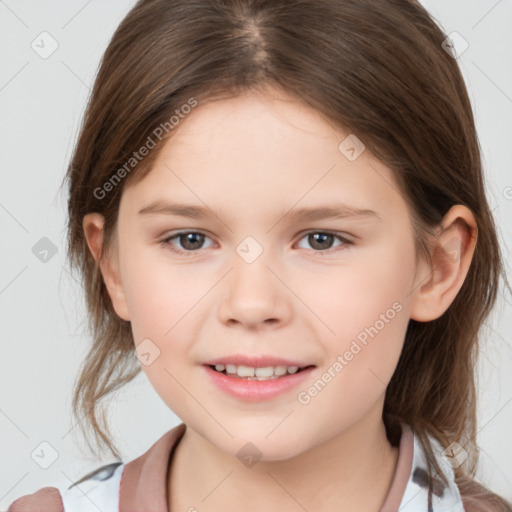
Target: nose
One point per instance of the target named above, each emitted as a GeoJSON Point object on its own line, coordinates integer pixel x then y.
{"type": "Point", "coordinates": [254, 296]}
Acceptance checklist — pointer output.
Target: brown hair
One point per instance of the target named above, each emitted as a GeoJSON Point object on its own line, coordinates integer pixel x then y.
{"type": "Point", "coordinates": [376, 69]}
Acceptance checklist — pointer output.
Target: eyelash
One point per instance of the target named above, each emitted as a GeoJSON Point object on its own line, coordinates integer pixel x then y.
{"type": "Point", "coordinates": [167, 242]}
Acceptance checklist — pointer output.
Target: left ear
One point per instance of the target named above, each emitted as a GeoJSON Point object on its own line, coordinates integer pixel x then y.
{"type": "Point", "coordinates": [452, 250]}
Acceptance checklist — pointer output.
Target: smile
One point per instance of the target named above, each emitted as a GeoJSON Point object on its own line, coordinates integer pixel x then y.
{"type": "Point", "coordinates": [251, 387]}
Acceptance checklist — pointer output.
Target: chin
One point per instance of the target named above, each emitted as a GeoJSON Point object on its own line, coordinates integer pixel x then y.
{"type": "Point", "coordinates": [275, 447]}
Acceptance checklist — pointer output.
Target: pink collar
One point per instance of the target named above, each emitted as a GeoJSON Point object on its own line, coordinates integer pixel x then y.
{"type": "Point", "coordinates": [144, 479]}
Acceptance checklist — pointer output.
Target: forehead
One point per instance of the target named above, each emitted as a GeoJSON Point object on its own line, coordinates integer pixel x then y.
{"type": "Point", "coordinates": [238, 151]}
{"type": "Point", "coordinates": [257, 120]}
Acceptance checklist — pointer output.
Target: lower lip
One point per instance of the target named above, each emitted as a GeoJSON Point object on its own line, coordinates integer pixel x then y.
{"type": "Point", "coordinates": [257, 390]}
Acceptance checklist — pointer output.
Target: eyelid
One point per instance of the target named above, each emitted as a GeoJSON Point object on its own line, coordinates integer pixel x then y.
{"type": "Point", "coordinates": [340, 234]}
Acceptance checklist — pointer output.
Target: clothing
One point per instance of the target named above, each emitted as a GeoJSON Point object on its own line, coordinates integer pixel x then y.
{"type": "Point", "coordinates": [141, 485]}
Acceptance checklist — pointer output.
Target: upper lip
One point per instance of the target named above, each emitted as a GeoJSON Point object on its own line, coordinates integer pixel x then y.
{"type": "Point", "coordinates": [256, 361]}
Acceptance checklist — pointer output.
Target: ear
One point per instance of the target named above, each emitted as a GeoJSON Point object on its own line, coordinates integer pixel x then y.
{"type": "Point", "coordinates": [93, 224]}
{"type": "Point", "coordinates": [452, 250]}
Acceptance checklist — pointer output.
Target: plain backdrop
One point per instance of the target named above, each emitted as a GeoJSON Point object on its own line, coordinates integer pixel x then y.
{"type": "Point", "coordinates": [41, 305]}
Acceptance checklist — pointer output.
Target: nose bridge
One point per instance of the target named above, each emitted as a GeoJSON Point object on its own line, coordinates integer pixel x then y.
{"type": "Point", "coordinates": [254, 293]}
{"type": "Point", "coordinates": [251, 272]}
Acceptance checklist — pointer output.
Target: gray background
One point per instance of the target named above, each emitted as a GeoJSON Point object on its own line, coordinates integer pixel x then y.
{"type": "Point", "coordinates": [41, 305]}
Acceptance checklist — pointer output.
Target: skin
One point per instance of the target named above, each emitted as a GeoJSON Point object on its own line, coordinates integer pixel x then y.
{"type": "Point", "coordinates": [255, 157]}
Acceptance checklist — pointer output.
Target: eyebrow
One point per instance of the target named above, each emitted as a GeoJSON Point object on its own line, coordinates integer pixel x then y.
{"type": "Point", "coordinates": [336, 211]}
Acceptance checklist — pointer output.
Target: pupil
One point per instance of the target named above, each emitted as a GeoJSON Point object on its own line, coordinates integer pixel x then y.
{"type": "Point", "coordinates": [323, 237]}
{"type": "Point", "coordinates": [191, 238]}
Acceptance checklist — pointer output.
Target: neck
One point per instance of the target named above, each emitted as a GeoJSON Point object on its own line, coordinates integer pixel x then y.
{"type": "Point", "coordinates": [331, 476]}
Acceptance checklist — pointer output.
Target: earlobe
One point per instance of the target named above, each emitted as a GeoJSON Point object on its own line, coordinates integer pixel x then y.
{"type": "Point", "coordinates": [452, 251]}
{"type": "Point", "coordinates": [93, 224]}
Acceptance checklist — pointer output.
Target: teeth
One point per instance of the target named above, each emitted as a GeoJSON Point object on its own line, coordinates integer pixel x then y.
{"type": "Point", "coordinates": [245, 371]}
{"type": "Point", "coordinates": [266, 373]}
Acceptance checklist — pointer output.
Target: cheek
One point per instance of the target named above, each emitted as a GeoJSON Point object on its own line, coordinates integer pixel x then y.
{"type": "Point", "coordinates": [355, 294]}
{"type": "Point", "coordinates": [159, 293]}
{"type": "Point", "coordinates": [364, 308]}
{"type": "Point", "coordinates": [161, 301]}
{"type": "Point", "coordinates": [369, 321]}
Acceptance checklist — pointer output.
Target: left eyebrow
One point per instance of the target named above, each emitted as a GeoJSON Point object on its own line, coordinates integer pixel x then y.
{"type": "Point", "coordinates": [336, 211]}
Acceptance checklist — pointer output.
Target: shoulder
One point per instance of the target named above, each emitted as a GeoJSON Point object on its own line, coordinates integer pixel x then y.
{"type": "Point", "coordinates": [426, 490]}
{"type": "Point", "coordinates": [47, 499]}
{"type": "Point", "coordinates": [463, 492]}
{"type": "Point", "coordinates": [96, 490]}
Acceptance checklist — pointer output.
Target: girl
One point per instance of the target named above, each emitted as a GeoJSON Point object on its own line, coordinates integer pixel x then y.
{"type": "Point", "coordinates": [279, 208]}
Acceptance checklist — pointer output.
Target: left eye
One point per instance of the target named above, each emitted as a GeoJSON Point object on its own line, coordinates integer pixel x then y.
{"type": "Point", "coordinates": [191, 241]}
{"type": "Point", "coordinates": [321, 240]}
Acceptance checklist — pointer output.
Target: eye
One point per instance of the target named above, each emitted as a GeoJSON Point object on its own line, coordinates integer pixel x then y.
{"type": "Point", "coordinates": [321, 241]}
{"type": "Point", "coordinates": [189, 240]}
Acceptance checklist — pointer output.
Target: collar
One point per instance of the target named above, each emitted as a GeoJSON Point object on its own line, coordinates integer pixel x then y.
{"type": "Point", "coordinates": [144, 480]}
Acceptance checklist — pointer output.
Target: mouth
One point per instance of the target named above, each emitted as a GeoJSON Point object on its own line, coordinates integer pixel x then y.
{"type": "Point", "coordinates": [257, 373]}
{"type": "Point", "coordinates": [266, 378]}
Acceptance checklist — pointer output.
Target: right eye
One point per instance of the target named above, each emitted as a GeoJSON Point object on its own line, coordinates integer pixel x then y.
{"type": "Point", "coordinates": [191, 241]}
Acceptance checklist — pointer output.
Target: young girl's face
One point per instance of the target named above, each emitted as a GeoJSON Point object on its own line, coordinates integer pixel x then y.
{"type": "Point", "coordinates": [257, 280]}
